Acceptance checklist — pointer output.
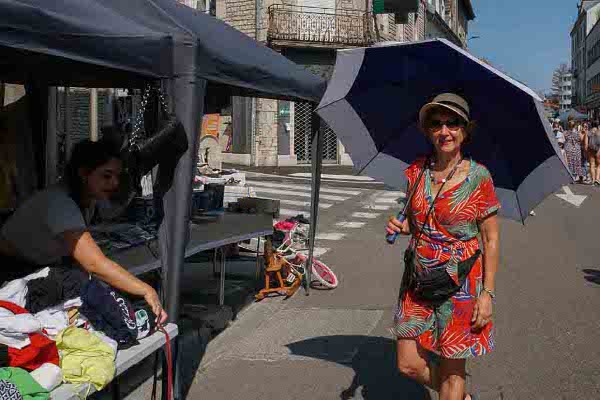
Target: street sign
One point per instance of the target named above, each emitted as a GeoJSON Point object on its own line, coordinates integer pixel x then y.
{"type": "Point", "coordinates": [398, 7]}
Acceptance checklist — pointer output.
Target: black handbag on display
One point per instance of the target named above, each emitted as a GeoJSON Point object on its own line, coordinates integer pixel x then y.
{"type": "Point", "coordinates": [158, 139]}
{"type": "Point", "coordinates": [433, 285]}
{"type": "Point", "coordinates": [169, 142]}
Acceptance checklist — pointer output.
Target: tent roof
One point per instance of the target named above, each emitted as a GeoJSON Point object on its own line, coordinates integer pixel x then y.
{"type": "Point", "coordinates": [122, 43]}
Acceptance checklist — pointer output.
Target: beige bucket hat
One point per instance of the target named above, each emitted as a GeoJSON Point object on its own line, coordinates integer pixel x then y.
{"type": "Point", "coordinates": [450, 101]}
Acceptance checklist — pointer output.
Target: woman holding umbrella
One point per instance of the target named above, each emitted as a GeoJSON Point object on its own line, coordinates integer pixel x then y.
{"type": "Point", "coordinates": [446, 300]}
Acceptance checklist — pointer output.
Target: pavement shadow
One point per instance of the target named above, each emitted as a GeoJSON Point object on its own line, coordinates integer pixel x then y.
{"type": "Point", "coordinates": [373, 360]}
{"type": "Point", "coordinates": [592, 275]}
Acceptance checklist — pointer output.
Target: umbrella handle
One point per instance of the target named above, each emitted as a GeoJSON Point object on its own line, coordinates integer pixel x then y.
{"type": "Point", "coordinates": [391, 238]}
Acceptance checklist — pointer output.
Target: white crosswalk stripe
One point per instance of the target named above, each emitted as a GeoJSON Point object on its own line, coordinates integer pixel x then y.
{"type": "Point", "coordinates": [378, 207]}
{"type": "Point", "coordinates": [350, 224]}
{"type": "Point", "coordinates": [331, 236]}
{"type": "Point", "coordinates": [284, 192]}
{"type": "Point", "coordinates": [292, 213]}
{"type": "Point", "coordinates": [317, 251]}
{"type": "Point", "coordinates": [337, 177]}
{"type": "Point", "coordinates": [395, 195]}
{"type": "Point", "coordinates": [303, 203]}
{"type": "Point", "coordinates": [258, 184]}
{"type": "Point", "coordinates": [365, 215]}
{"type": "Point", "coordinates": [386, 201]}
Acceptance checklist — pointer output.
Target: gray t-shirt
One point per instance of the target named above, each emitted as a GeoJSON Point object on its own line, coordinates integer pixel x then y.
{"type": "Point", "coordinates": [35, 229]}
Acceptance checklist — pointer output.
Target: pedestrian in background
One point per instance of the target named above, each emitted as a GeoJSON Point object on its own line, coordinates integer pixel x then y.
{"type": "Point", "coordinates": [573, 151]}
{"type": "Point", "coordinates": [454, 202]}
{"type": "Point", "coordinates": [583, 134]}
{"type": "Point", "coordinates": [560, 137]}
{"type": "Point", "coordinates": [593, 155]}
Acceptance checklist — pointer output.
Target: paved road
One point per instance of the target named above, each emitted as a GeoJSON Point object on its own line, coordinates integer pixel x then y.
{"type": "Point", "coordinates": [335, 344]}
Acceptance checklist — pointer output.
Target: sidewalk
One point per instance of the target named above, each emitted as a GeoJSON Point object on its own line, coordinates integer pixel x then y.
{"type": "Point", "coordinates": [329, 345]}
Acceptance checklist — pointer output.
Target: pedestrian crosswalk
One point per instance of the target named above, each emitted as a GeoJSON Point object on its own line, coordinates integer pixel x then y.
{"type": "Point", "coordinates": [295, 193]}
{"type": "Point", "coordinates": [295, 198]}
{"type": "Point", "coordinates": [352, 192]}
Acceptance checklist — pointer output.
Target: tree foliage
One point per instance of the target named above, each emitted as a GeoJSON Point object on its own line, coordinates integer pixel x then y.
{"type": "Point", "coordinates": [557, 78]}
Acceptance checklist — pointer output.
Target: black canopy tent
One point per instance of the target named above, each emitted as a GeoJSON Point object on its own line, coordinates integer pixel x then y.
{"type": "Point", "coordinates": [113, 43]}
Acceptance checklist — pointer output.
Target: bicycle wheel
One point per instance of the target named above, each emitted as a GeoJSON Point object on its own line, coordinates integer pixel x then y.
{"type": "Point", "coordinates": [322, 273]}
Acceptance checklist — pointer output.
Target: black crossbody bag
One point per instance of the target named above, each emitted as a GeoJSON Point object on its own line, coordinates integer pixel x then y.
{"type": "Point", "coordinates": [433, 285]}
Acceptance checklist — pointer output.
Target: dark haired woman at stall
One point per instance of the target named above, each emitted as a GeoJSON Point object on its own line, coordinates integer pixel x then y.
{"type": "Point", "coordinates": [53, 224]}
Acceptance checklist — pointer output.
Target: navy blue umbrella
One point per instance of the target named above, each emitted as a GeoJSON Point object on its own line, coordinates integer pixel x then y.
{"type": "Point", "coordinates": [373, 101]}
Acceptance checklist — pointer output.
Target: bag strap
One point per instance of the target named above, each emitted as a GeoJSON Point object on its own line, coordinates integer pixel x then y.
{"type": "Point", "coordinates": [450, 175]}
{"type": "Point", "coordinates": [414, 189]}
{"type": "Point", "coordinates": [137, 132]}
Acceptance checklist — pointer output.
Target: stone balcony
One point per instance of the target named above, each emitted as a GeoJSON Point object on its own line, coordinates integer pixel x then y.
{"type": "Point", "coordinates": [298, 26]}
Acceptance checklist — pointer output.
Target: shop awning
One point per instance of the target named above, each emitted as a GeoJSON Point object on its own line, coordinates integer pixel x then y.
{"type": "Point", "coordinates": [116, 43]}
{"type": "Point", "coordinates": [105, 43]}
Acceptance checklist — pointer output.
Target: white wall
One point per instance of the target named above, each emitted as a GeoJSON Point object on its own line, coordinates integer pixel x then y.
{"type": "Point", "coordinates": [592, 17]}
{"type": "Point", "coordinates": [317, 3]}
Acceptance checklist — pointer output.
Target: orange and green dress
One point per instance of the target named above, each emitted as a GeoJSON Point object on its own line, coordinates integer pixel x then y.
{"type": "Point", "coordinates": [449, 236]}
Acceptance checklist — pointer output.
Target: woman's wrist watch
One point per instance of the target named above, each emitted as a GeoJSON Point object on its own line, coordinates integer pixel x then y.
{"type": "Point", "coordinates": [490, 292]}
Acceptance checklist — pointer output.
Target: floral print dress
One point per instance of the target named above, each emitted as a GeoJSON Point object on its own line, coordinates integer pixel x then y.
{"type": "Point", "coordinates": [449, 236]}
{"type": "Point", "coordinates": [573, 152]}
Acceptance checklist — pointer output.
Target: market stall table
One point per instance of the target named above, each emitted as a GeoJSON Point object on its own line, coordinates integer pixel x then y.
{"type": "Point", "coordinates": [206, 233]}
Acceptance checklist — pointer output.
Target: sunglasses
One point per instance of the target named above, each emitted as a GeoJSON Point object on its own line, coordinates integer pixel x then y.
{"type": "Point", "coordinates": [435, 125]}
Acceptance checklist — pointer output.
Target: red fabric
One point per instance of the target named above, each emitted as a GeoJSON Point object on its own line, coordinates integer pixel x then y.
{"type": "Point", "coordinates": [284, 226]}
{"type": "Point", "coordinates": [41, 350]}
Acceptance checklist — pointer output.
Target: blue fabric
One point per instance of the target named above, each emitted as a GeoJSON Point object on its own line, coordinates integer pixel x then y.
{"type": "Point", "coordinates": [110, 312]}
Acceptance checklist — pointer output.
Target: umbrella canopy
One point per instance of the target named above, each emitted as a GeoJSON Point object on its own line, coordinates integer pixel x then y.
{"type": "Point", "coordinates": [572, 114]}
{"type": "Point", "coordinates": [373, 101]}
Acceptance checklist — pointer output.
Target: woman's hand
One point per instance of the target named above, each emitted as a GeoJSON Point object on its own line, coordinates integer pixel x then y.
{"type": "Point", "coordinates": [87, 253]}
{"type": "Point", "coordinates": [482, 312]}
{"type": "Point", "coordinates": [395, 226]}
{"type": "Point", "coordinates": [153, 301]}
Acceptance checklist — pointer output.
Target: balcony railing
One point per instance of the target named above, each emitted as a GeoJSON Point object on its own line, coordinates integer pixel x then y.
{"type": "Point", "coordinates": [319, 25]}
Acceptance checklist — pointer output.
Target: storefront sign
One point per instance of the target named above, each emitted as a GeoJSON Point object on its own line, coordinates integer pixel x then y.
{"type": "Point", "coordinates": [210, 125]}
{"type": "Point", "coordinates": [284, 109]}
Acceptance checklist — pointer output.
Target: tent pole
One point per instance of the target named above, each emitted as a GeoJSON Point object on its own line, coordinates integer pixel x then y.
{"type": "Point", "coordinates": [94, 114]}
{"type": "Point", "coordinates": [67, 124]}
{"type": "Point", "coordinates": [52, 137]}
{"type": "Point", "coordinates": [186, 97]}
{"type": "Point", "coordinates": [316, 164]}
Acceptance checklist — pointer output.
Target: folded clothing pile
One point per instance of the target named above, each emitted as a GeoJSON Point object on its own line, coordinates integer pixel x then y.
{"type": "Point", "coordinates": [59, 325]}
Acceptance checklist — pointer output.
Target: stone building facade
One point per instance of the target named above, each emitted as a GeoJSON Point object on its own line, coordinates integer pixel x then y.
{"type": "Point", "coordinates": [308, 32]}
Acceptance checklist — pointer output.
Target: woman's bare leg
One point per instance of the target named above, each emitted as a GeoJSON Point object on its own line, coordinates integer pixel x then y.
{"type": "Point", "coordinates": [597, 158]}
{"type": "Point", "coordinates": [412, 362]}
{"type": "Point", "coordinates": [452, 379]}
{"type": "Point", "coordinates": [593, 167]}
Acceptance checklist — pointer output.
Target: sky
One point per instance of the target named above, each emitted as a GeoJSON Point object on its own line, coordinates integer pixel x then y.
{"type": "Point", "coordinates": [527, 39]}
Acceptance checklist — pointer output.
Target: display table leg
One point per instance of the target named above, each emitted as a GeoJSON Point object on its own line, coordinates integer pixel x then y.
{"type": "Point", "coordinates": [257, 277]}
{"type": "Point", "coordinates": [116, 389]}
{"type": "Point", "coordinates": [215, 262]}
{"type": "Point", "coordinates": [222, 286]}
